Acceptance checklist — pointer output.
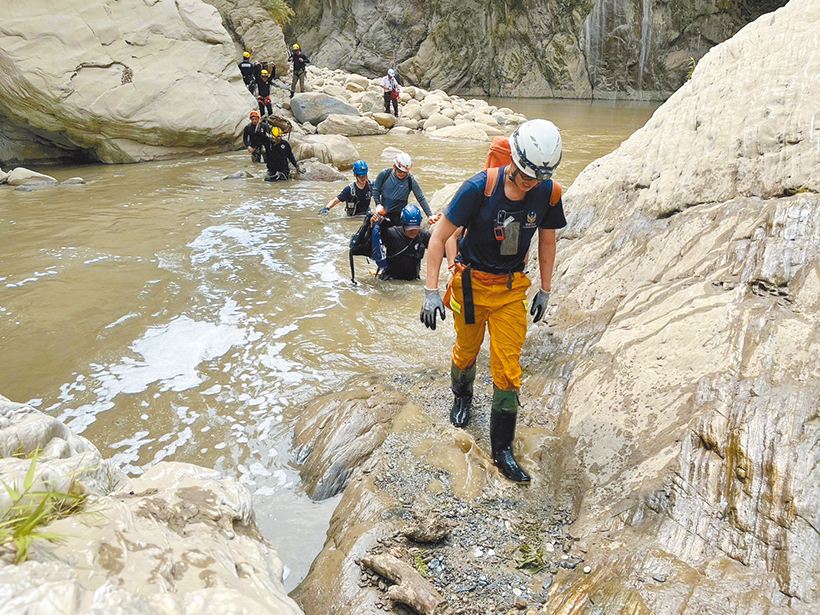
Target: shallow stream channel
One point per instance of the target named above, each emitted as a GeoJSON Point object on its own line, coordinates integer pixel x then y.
{"type": "Point", "coordinates": [166, 313]}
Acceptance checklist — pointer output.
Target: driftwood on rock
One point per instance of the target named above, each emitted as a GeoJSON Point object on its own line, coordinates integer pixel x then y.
{"type": "Point", "coordinates": [410, 587]}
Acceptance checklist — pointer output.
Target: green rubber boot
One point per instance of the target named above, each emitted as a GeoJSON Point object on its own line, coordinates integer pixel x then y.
{"type": "Point", "coordinates": [462, 386]}
{"type": "Point", "coordinates": [502, 432]}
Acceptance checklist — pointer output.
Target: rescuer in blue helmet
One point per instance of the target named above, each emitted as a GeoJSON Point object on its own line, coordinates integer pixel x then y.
{"type": "Point", "coordinates": [357, 195]}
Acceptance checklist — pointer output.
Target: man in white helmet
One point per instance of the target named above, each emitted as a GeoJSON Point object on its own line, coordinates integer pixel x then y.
{"type": "Point", "coordinates": [501, 210]}
{"type": "Point", "coordinates": [391, 92]}
{"type": "Point", "coordinates": [391, 190]}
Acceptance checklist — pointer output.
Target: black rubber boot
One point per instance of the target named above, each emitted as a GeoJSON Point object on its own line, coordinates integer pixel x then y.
{"type": "Point", "coordinates": [502, 433]}
{"type": "Point", "coordinates": [462, 387]}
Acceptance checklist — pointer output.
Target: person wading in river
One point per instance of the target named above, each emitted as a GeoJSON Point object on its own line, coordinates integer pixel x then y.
{"type": "Point", "coordinates": [403, 245]}
{"type": "Point", "coordinates": [279, 154]}
{"type": "Point", "coordinates": [392, 188]}
{"type": "Point", "coordinates": [256, 137]}
{"type": "Point", "coordinates": [357, 195]}
{"type": "Point", "coordinates": [501, 209]}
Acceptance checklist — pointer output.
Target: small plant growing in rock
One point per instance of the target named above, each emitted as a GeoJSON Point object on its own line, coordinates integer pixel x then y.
{"type": "Point", "coordinates": [419, 565]}
{"type": "Point", "coordinates": [31, 510]}
{"type": "Point", "coordinates": [532, 559]}
{"type": "Point", "coordinates": [279, 10]}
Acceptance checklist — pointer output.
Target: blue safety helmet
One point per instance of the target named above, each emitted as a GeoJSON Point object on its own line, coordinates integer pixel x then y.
{"type": "Point", "coordinates": [360, 168]}
{"type": "Point", "coordinates": [411, 216]}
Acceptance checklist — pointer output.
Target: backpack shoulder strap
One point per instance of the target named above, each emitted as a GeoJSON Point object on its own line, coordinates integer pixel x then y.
{"type": "Point", "coordinates": [492, 181]}
{"type": "Point", "coordinates": [557, 191]}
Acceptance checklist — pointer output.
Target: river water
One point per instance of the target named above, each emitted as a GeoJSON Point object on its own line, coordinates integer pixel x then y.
{"type": "Point", "coordinates": [168, 314]}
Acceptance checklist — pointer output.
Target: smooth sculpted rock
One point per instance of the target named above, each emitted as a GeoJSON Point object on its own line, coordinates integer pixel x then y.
{"type": "Point", "coordinates": [385, 119]}
{"type": "Point", "coordinates": [314, 107]}
{"type": "Point", "coordinates": [3, 176]}
{"type": "Point", "coordinates": [97, 80]}
{"type": "Point", "coordinates": [329, 149]}
{"type": "Point", "coordinates": [338, 432]}
{"type": "Point", "coordinates": [179, 539]}
{"type": "Point", "coordinates": [26, 177]}
{"type": "Point", "coordinates": [349, 126]}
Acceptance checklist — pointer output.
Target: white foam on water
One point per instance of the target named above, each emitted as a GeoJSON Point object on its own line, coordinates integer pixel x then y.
{"type": "Point", "coordinates": [170, 355]}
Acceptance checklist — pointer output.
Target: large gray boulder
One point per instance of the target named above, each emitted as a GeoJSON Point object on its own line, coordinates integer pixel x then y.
{"type": "Point", "coordinates": [329, 149]}
{"type": "Point", "coordinates": [118, 81]}
{"type": "Point", "coordinates": [314, 107]}
{"type": "Point", "coordinates": [349, 126]}
{"type": "Point", "coordinates": [24, 177]}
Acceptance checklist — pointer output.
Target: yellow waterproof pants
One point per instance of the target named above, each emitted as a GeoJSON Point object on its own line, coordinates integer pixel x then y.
{"type": "Point", "coordinates": [502, 310]}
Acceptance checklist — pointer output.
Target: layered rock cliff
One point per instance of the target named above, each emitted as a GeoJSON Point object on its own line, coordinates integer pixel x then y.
{"type": "Point", "coordinates": [670, 407]}
{"type": "Point", "coordinates": [567, 48]}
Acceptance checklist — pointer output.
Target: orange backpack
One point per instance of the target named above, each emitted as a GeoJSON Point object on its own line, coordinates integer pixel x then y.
{"type": "Point", "coordinates": [500, 154]}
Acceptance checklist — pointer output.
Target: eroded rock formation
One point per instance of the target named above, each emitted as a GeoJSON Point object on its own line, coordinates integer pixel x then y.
{"type": "Point", "coordinates": [179, 539]}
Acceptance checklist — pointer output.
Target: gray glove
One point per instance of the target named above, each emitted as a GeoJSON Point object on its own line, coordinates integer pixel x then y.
{"type": "Point", "coordinates": [538, 309]}
{"type": "Point", "coordinates": [432, 304]}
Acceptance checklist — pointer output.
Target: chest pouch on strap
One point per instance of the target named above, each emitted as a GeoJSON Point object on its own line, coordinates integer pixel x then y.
{"type": "Point", "coordinates": [509, 245]}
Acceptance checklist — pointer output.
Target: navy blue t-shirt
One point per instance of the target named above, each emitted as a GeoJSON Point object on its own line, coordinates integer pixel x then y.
{"type": "Point", "coordinates": [480, 216]}
{"type": "Point", "coordinates": [359, 203]}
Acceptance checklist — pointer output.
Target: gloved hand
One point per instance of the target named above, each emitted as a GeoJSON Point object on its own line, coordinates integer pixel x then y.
{"type": "Point", "coordinates": [324, 210]}
{"type": "Point", "coordinates": [432, 304]}
{"type": "Point", "coordinates": [538, 309]}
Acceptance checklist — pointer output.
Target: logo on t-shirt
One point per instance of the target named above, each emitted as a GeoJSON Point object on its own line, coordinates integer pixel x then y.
{"type": "Point", "coordinates": [531, 221]}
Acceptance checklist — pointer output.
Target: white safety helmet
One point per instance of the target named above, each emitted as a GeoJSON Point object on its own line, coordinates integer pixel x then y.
{"type": "Point", "coordinates": [391, 72]}
{"type": "Point", "coordinates": [403, 162]}
{"type": "Point", "coordinates": [536, 148]}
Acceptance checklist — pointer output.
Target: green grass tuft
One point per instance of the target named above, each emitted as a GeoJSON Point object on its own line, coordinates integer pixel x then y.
{"type": "Point", "coordinates": [32, 509]}
{"type": "Point", "coordinates": [279, 10]}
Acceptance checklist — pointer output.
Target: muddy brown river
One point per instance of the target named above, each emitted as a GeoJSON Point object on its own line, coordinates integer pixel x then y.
{"type": "Point", "coordinates": [168, 314]}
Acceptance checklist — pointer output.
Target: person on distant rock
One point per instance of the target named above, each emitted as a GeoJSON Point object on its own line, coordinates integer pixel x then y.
{"type": "Point", "coordinates": [357, 195]}
{"type": "Point", "coordinates": [279, 154]}
{"type": "Point", "coordinates": [246, 68]}
{"type": "Point", "coordinates": [501, 210]}
{"type": "Point", "coordinates": [402, 246]}
{"type": "Point", "coordinates": [256, 137]}
{"type": "Point", "coordinates": [300, 62]}
{"type": "Point", "coordinates": [391, 92]}
{"type": "Point", "coordinates": [263, 93]}
{"type": "Point", "coordinates": [392, 188]}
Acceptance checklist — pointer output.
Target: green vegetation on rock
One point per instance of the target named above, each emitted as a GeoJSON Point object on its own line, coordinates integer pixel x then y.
{"type": "Point", "coordinates": [279, 10]}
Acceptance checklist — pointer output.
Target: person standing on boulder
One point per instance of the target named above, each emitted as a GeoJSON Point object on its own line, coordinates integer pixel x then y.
{"type": "Point", "coordinates": [392, 188]}
{"type": "Point", "coordinates": [246, 68]}
{"type": "Point", "coordinates": [263, 93]}
{"type": "Point", "coordinates": [300, 62]}
{"type": "Point", "coordinates": [279, 154]}
{"type": "Point", "coordinates": [391, 92]}
{"type": "Point", "coordinates": [357, 195]}
{"type": "Point", "coordinates": [256, 137]}
{"type": "Point", "coordinates": [501, 208]}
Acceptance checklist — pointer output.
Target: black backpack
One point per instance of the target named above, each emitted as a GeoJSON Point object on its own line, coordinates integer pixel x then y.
{"type": "Point", "coordinates": [361, 244]}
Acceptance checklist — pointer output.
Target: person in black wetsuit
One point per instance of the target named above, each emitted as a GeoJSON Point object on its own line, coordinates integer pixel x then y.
{"type": "Point", "coordinates": [279, 154]}
{"type": "Point", "coordinates": [263, 93]}
{"type": "Point", "coordinates": [404, 245]}
{"type": "Point", "coordinates": [357, 195]}
{"type": "Point", "coordinates": [300, 62]}
{"type": "Point", "coordinates": [256, 137]}
{"type": "Point", "coordinates": [246, 68]}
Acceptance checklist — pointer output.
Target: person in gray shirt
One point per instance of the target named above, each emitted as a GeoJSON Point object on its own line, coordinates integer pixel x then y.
{"type": "Point", "coordinates": [391, 191]}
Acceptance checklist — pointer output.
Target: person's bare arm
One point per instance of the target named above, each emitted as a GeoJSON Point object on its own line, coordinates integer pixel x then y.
{"type": "Point", "coordinates": [442, 231]}
{"type": "Point", "coordinates": [546, 257]}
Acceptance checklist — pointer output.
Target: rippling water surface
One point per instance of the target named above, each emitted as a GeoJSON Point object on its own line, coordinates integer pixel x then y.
{"type": "Point", "coordinates": [168, 314]}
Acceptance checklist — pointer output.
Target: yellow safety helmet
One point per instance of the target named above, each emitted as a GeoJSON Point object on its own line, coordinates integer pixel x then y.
{"type": "Point", "coordinates": [276, 131]}
{"type": "Point", "coordinates": [265, 73]}
{"type": "Point", "coordinates": [296, 47]}
{"type": "Point", "coordinates": [247, 54]}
